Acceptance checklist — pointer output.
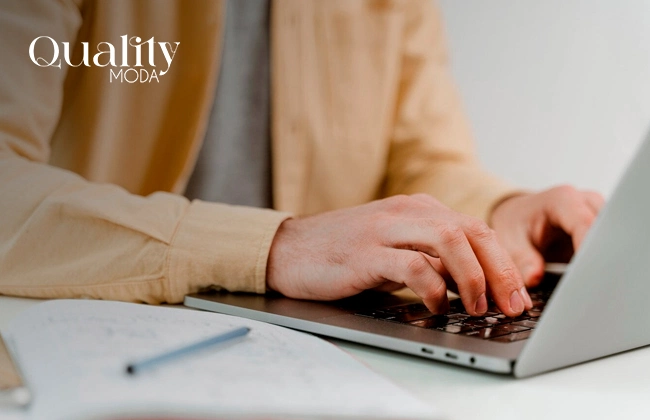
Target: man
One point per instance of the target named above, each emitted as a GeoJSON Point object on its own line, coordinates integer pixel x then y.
{"type": "Point", "coordinates": [367, 138]}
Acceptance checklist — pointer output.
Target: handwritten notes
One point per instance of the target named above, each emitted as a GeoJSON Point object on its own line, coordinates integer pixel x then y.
{"type": "Point", "coordinates": [73, 354]}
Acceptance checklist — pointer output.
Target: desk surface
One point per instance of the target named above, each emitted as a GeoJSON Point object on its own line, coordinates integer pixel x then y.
{"type": "Point", "coordinates": [614, 387]}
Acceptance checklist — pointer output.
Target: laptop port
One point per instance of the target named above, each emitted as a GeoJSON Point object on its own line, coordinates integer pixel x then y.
{"type": "Point", "coordinates": [426, 350]}
{"type": "Point", "coordinates": [451, 356]}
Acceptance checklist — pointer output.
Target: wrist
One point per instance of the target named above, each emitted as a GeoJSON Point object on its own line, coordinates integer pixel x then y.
{"type": "Point", "coordinates": [501, 204]}
{"type": "Point", "coordinates": [276, 255]}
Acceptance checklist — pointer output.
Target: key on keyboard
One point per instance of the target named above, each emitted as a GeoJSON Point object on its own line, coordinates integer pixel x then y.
{"type": "Point", "coordinates": [493, 325]}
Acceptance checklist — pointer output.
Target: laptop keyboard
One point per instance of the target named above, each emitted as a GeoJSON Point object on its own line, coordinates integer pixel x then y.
{"type": "Point", "coordinates": [494, 325]}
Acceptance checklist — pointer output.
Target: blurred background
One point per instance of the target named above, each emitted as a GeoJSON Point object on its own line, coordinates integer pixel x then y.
{"type": "Point", "coordinates": [556, 91]}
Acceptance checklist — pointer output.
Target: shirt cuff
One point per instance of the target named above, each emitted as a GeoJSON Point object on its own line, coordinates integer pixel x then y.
{"type": "Point", "coordinates": [221, 246]}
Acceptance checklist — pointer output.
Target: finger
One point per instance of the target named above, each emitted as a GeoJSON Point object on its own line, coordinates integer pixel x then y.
{"type": "Point", "coordinates": [442, 270]}
{"type": "Point", "coordinates": [572, 214]}
{"type": "Point", "coordinates": [447, 241]}
{"type": "Point", "coordinates": [412, 269]}
{"type": "Point", "coordinates": [528, 260]}
{"type": "Point", "coordinates": [595, 200]}
{"type": "Point", "coordinates": [505, 282]}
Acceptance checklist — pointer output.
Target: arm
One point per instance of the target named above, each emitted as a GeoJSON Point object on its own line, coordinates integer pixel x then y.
{"type": "Point", "coordinates": [415, 240]}
{"type": "Point", "coordinates": [432, 150]}
{"type": "Point", "coordinates": [61, 236]}
{"type": "Point", "coordinates": [412, 241]}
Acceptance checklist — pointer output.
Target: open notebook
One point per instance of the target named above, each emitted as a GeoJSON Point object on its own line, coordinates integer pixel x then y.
{"type": "Point", "coordinates": [73, 356]}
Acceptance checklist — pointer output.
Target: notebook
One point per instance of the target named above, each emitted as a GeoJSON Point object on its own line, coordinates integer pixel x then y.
{"type": "Point", "coordinates": [73, 356]}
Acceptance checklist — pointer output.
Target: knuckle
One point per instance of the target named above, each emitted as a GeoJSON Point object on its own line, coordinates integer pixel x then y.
{"type": "Point", "coordinates": [509, 275]}
{"type": "Point", "coordinates": [565, 190]}
{"type": "Point", "coordinates": [398, 202]}
{"type": "Point", "coordinates": [418, 267]}
{"type": "Point", "coordinates": [585, 216]}
{"type": "Point", "coordinates": [598, 198]}
{"type": "Point", "coordinates": [450, 234]}
{"type": "Point", "coordinates": [475, 279]}
{"type": "Point", "coordinates": [507, 279]}
{"type": "Point", "coordinates": [588, 218]}
{"type": "Point", "coordinates": [436, 292]}
{"type": "Point", "coordinates": [480, 230]}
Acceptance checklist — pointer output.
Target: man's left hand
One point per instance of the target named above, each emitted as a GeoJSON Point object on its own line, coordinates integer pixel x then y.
{"type": "Point", "coordinates": [547, 226]}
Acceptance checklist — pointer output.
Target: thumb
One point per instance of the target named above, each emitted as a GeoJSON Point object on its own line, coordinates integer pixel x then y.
{"type": "Point", "coordinates": [530, 263]}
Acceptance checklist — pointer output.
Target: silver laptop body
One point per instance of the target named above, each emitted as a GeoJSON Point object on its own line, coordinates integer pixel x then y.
{"type": "Point", "coordinates": [599, 307]}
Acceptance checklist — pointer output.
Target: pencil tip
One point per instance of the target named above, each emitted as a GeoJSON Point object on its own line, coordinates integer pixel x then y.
{"type": "Point", "coordinates": [130, 369]}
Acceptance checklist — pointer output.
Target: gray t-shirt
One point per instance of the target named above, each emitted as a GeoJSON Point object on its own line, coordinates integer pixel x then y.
{"type": "Point", "coordinates": [234, 165]}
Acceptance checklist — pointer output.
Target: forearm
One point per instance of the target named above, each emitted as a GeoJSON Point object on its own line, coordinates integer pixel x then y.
{"type": "Point", "coordinates": [61, 236]}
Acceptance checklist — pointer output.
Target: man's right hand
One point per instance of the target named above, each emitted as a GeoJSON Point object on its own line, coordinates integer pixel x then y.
{"type": "Point", "coordinates": [413, 241]}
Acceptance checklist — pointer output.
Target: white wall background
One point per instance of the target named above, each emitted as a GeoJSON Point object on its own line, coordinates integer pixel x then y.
{"type": "Point", "coordinates": [557, 91]}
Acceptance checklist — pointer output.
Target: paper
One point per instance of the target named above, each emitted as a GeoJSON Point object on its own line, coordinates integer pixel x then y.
{"type": "Point", "coordinates": [73, 355]}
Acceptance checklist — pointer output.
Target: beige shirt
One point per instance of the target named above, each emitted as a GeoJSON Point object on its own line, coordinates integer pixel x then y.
{"type": "Point", "coordinates": [363, 107]}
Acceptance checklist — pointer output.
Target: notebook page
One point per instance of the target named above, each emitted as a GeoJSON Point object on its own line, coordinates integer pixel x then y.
{"type": "Point", "coordinates": [73, 354]}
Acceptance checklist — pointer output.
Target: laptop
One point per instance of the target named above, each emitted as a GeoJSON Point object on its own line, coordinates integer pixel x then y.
{"type": "Point", "coordinates": [597, 308]}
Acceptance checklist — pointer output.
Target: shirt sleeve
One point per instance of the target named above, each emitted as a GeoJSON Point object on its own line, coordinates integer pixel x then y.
{"type": "Point", "coordinates": [432, 150]}
{"type": "Point", "coordinates": [62, 236]}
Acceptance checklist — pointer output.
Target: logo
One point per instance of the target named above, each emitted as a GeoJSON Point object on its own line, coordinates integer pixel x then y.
{"type": "Point", "coordinates": [159, 57]}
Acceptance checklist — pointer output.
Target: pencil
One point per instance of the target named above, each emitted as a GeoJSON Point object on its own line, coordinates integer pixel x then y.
{"type": "Point", "coordinates": [144, 364]}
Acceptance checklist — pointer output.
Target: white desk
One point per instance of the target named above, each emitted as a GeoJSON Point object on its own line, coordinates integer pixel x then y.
{"type": "Point", "coordinates": [612, 388]}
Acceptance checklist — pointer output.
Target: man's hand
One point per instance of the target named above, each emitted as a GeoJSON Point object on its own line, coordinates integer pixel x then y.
{"type": "Point", "coordinates": [546, 226]}
{"type": "Point", "coordinates": [404, 240]}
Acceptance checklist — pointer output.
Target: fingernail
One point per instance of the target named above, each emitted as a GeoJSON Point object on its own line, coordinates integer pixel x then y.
{"type": "Point", "coordinates": [527, 299]}
{"type": "Point", "coordinates": [481, 305]}
{"type": "Point", "coordinates": [516, 304]}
